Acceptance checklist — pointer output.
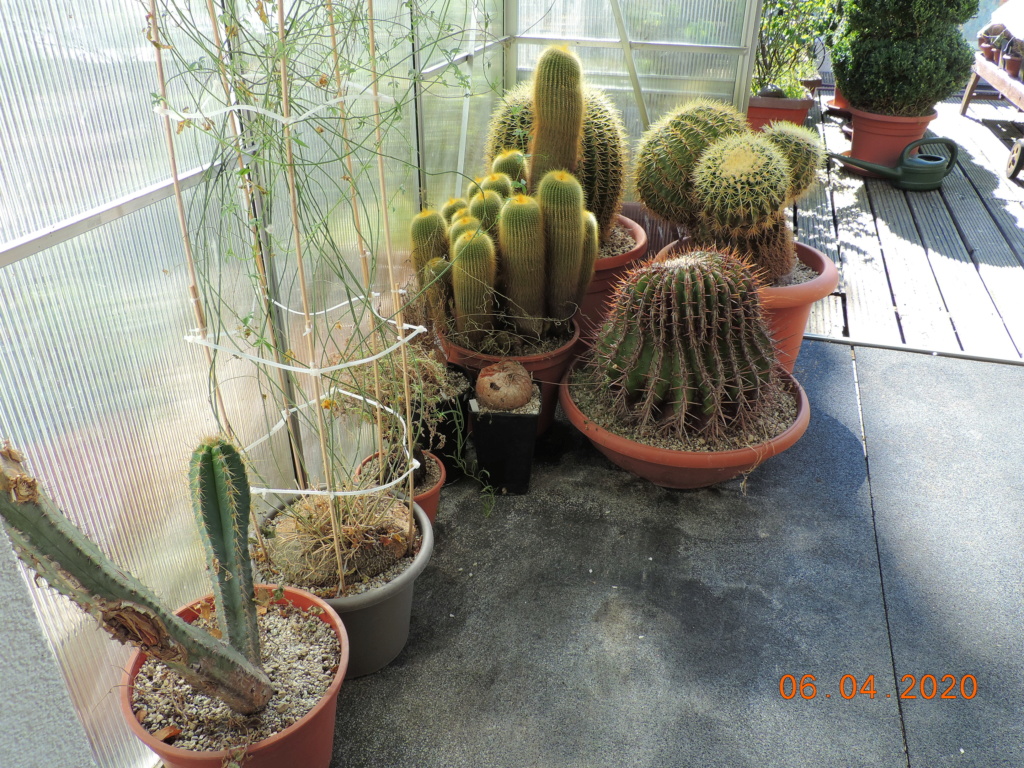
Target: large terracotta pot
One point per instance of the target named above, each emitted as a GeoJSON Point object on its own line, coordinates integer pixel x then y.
{"type": "Point", "coordinates": [787, 308]}
{"type": "Point", "coordinates": [429, 498]}
{"type": "Point", "coordinates": [763, 110]}
{"type": "Point", "coordinates": [607, 273]}
{"type": "Point", "coordinates": [307, 742]}
{"type": "Point", "coordinates": [546, 369]}
{"type": "Point", "coordinates": [685, 469]}
{"type": "Point", "coordinates": [378, 620]}
{"type": "Point", "coordinates": [881, 138]}
{"type": "Point", "coordinates": [838, 105]}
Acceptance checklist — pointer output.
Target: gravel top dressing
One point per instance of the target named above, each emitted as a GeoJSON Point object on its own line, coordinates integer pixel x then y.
{"type": "Point", "coordinates": [300, 655]}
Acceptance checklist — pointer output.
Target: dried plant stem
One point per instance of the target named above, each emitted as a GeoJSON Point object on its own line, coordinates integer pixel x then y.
{"type": "Point", "coordinates": [364, 259]}
{"type": "Point", "coordinates": [408, 415]}
{"type": "Point", "coordinates": [293, 199]}
{"type": "Point", "coordinates": [179, 201]}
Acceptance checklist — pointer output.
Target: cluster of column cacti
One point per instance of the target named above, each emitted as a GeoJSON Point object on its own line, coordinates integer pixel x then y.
{"type": "Point", "coordinates": [56, 550]}
{"type": "Point", "coordinates": [517, 254]}
{"type": "Point", "coordinates": [702, 167]}
{"type": "Point", "coordinates": [685, 349]}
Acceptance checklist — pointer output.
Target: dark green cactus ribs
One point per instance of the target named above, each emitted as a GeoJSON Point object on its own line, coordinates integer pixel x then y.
{"type": "Point", "coordinates": [685, 350]}
{"type": "Point", "coordinates": [74, 566]}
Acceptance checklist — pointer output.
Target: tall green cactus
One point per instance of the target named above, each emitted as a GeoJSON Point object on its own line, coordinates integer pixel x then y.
{"type": "Point", "coordinates": [523, 262]}
{"type": "Point", "coordinates": [685, 348]}
{"type": "Point", "coordinates": [429, 236]}
{"type": "Point", "coordinates": [591, 251]}
{"type": "Point", "coordinates": [561, 202]}
{"type": "Point", "coordinates": [555, 143]}
{"type": "Point", "coordinates": [73, 565]}
{"type": "Point", "coordinates": [474, 273]}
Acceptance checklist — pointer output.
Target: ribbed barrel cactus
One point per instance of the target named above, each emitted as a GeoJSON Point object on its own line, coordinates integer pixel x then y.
{"type": "Point", "coordinates": [685, 350]}
{"type": "Point", "coordinates": [74, 566]}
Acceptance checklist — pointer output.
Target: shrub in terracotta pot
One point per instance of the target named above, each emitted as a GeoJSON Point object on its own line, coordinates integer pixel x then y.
{"type": "Point", "coordinates": [223, 662]}
{"type": "Point", "coordinates": [702, 168]}
{"type": "Point", "coordinates": [684, 388]}
{"type": "Point", "coordinates": [897, 59]}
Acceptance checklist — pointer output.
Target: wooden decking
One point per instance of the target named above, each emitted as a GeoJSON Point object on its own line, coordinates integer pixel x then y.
{"type": "Point", "coordinates": [940, 270]}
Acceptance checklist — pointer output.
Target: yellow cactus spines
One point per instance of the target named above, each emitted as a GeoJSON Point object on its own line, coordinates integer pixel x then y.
{"type": "Point", "coordinates": [556, 139]}
{"type": "Point", "coordinates": [561, 202]}
{"type": "Point", "coordinates": [463, 222]}
{"type": "Point", "coordinates": [450, 210]}
{"type": "Point", "coordinates": [803, 149]}
{"type": "Point", "coordinates": [486, 206]}
{"type": "Point", "coordinates": [500, 183]}
{"type": "Point", "coordinates": [474, 272]}
{"type": "Point", "coordinates": [429, 235]}
{"type": "Point", "coordinates": [523, 263]}
{"type": "Point", "coordinates": [740, 183]}
{"type": "Point", "coordinates": [512, 163]}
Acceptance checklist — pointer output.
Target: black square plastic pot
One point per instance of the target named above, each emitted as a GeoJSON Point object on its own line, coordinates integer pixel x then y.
{"type": "Point", "coordinates": [504, 447]}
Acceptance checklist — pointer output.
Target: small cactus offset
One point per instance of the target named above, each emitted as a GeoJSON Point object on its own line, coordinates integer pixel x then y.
{"type": "Point", "coordinates": [591, 251]}
{"type": "Point", "coordinates": [500, 183]}
{"type": "Point", "coordinates": [561, 202]}
{"type": "Point", "coordinates": [437, 286]}
{"type": "Point", "coordinates": [512, 163]}
{"type": "Point", "coordinates": [485, 206]}
{"type": "Point", "coordinates": [429, 235]}
{"type": "Point", "coordinates": [453, 207]}
{"type": "Point", "coordinates": [521, 240]}
{"type": "Point", "coordinates": [463, 223]}
{"type": "Point", "coordinates": [685, 349]}
{"type": "Point", "coordinates": [804, 152]}
{"type": "Point", "coordinates": [555, 143]}
{"type": "Point", "coordinates": [73, 565]}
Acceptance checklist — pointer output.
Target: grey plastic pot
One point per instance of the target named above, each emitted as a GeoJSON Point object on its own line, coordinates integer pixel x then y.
{"type": "Point", "coordinates": [377, 621]}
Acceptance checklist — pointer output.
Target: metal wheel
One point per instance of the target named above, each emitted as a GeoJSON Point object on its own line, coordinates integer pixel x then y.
{"type": "Point", "coordinates": [1016, 160]}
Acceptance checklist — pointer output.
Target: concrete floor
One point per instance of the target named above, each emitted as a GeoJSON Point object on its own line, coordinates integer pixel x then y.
{"type": "Point", "coordinates": [601, 621]}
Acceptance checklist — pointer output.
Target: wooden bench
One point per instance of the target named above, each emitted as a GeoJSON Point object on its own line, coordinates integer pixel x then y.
{"type": "Point", "coordinates": [1011, 88]}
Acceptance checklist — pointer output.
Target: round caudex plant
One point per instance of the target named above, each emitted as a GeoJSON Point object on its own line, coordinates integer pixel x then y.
{"type": "Point", "coordinates": [703, 169]}
{"type": "Point", "coordinates": [685, 352]}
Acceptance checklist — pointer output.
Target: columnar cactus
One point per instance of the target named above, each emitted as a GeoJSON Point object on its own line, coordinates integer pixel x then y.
{"type": "Point", "coordinates": [512, 163]}
{"type": "Point", "coordinates": [453, 207]}
{"type": "Point", "coordinates": [685, 349]}
{"type": "Point", "coordinates": [429, 234]}
{"type": "Point", "coordinates": [557, 115]}
{"type": "Point", "coordinates": [561, 202]}
{"type": "Point", "coordinates": [73, 565]}
{"type": "Point", "coordinates": [521, 240]}
{"type": "Point", "coordinates": [474, 273]}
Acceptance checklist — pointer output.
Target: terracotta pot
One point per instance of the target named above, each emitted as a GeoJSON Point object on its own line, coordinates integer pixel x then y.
{"type": "Point", "coordinates": [988, 51]}
{"type": "Point", "coordinates": [308, 742]}
{"type": "Point", "coordinates": [607, 273]}
{"type": "Point", "coordinates": [787, 308]}
{"type": "Point", "coordinates": [812, 84]}
{"type": "Point", "coordinates": [546, 369]}
{"type": "Point", "coordinates": [763, 110]}
{"type": "Point", "coordinates": [881, 138]}
{"type": "Point", "coordinates": [685, 469]}
{"type": "Point", "coordinates": [838, 106]}
{"type": "Point", "coordinates": [428, 499]}
{"type": "Point", "coordinates": [378, 620]}
{"type": "Point", "coordinates": [1011, 64]}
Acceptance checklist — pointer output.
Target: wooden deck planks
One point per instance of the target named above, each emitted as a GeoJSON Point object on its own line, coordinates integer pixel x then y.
{"type": "Point", "coordinates": [870, 314]}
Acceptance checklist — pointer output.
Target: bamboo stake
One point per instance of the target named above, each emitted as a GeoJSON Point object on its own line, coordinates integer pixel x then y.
{"type": "Point", "coordinates": [193, 289]}
{"type": "Point", "coordinates": [293, 200]}
{"type": "Point", "coordinates": [408, 417]}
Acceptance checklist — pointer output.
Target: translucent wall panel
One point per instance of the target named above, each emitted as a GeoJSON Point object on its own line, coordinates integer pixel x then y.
{"type": "Point", "coordinates": [99, 390]}
{"type": "Point", "coordinates": [698, 22]}
{"type": "Point", "coordinates": [77, 127]}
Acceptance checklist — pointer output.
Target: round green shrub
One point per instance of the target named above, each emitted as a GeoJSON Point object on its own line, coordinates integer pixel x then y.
{"type": "Point", "coordinates": [902, 19]}
{"type": "Point", "coordinates": [904, 77]}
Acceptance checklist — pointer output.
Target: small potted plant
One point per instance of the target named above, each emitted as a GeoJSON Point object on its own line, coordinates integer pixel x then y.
{"type": "Point", "coordinates": [703, 169]}
{"type": "Point", "coordinates": [894, 61]}
{"type": "Point", "coordinates": [505, 412]}
{"type": "Point", "coordinates": [784, 60]}
{"type": "Point", "coordinates": [683, 387]}
{"type": "Point", "coordinates": [220, 662]}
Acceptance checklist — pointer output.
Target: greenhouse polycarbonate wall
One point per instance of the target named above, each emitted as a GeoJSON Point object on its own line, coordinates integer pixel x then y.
{"type": "Point", "coordinates": [97, 384]}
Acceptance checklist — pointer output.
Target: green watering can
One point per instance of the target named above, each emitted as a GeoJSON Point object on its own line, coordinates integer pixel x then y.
{"type": "Point", "coordinates": [918, 172]}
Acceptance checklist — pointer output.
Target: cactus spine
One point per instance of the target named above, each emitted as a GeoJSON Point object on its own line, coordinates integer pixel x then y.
{"type": "Point", "coordinates": [474, 272]}
{"type": "Point", "coordinates": [73, 565]}
{"type": "Point", "coordinates": [561, 202]}
{"type": "Point", "coordinates": [429, 235]}
{"type": "Point", "coordinates": [685, 348]}
{"type": "Point", "coordinates": [521, 240]}
{"type": "Point", "coordinates": [555, 143]}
